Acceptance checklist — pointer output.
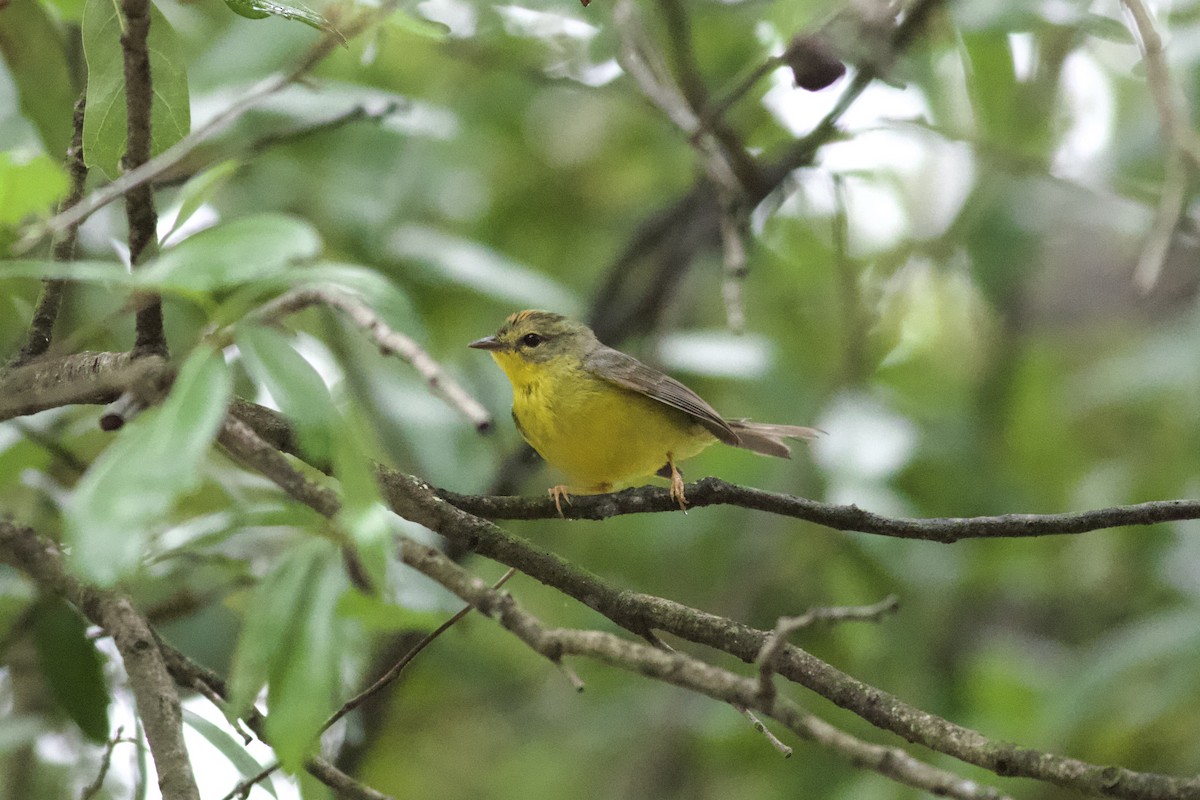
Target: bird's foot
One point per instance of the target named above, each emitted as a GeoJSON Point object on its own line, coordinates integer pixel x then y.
{"type": "Point", "coordinates": [677, 486]}
{"type": "Point", "coordinates": [558, 494]}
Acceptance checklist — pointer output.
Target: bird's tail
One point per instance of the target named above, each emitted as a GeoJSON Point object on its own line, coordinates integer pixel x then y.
{"type": "Point", "coordinates": [766, 438]}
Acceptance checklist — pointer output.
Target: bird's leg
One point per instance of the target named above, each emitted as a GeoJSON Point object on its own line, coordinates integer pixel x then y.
{"type": "Point", "coordinates": [676, 484]}
{"type": "Point", "coordinates": [558, 494]}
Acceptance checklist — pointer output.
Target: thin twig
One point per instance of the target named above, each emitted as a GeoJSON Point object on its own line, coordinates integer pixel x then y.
{"type": "Point", "coordinates": [41, 327]}
{"type": "Point", "coordinates": [786, 626]}
{"type": "Point", "coordinates": [733, 248]}
{"type": "Point", "coordinates": [392, 674]}
{"type": "Point", "coordinates": [389, 341]}
{"type": "Point", "coordinates": [644, 64]}
{"type": "Point", "coordinates": [1183, 146]}
{"type": "Point", "coordinates": [93, 788]}
{"type": "Point", "coordinates": [716, 492]}
{"type": "Point", "coordinates": [242, 789]}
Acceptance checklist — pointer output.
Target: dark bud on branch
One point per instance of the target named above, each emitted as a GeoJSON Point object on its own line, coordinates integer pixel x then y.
{"type": "Point", "coordinates": [813, 62]}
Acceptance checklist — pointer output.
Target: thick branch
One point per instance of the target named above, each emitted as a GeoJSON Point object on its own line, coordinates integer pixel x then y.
{"type": "Point", "coordinates": [77, 378]}
{"type": "Point", "coordinates": [152, 685]}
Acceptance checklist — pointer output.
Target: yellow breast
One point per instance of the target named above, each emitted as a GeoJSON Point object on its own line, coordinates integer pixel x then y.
{"type": "Point", "coordinates": [602, 436]}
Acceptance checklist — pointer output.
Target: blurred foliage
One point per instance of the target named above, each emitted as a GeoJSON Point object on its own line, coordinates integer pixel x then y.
{"type": "Point", "coordinates": [973, 346]}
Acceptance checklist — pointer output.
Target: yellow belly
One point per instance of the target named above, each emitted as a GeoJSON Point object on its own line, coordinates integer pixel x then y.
{"type": "Point", "coordinates": [600, 435]}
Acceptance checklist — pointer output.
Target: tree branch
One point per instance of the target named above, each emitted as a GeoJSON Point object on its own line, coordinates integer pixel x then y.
{"type": "Point", "coordinates": [642, 614]}
{"type": "Point", "coordinates": [684, 671]}
{"type": "Point", "coordinates": [78, 378]}
{"type": "Point", "coordinates": [41, 328]}
{"type": "Point", "coordinates": [386, 338]}
{"type": "Point", "coordinates": [153, 688]}
{"type": "Point", "coordinates": [716, 492]}
{"type": "Point", "coordinates": [149, 337]}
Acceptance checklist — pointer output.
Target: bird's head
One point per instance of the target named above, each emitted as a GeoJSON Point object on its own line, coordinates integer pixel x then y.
{"type": "Point", "coordinates": [533, 340]}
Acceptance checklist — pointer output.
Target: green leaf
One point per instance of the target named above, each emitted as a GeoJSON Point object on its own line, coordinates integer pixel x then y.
{"type": "Point", "coordinates": [34, 50]}
{"type": "Point", "coordinates": [239, 252]}
{"type": "Point", "coordinates": [418, 26]}
{"type": "Point", "coordinates": [260, 9]}
{"type": "Point", "coordinates": [481, 269]}
{"type": "Point", "coordinates": [1103, 27]}
{"type": "Point", "coordinates": [379, 292]}
{"type": "Point", "coordinates": [66, 10]}
{"type": "Point", "coordinates": [306, 678]}
{"type": "Point", "coordinates": [269, 624]}
{"type": "Point", "coordinates": [293, 640]}
{"type": "Point", "coordinates": [105, 273]}
{"type": "Point", "coordinates": [378, 615]}
{"type": "Point", "coordinates": [198, 190]}
{"type": "Point", "coordinates": [131, 488]}
{"type": "Point", "coordinates": [362, 514]}
{"type": "Point", "coordinates": [104, 125]}
{"type": "Point", "coordinates": [293, 383]}
{"type": "Point", "coordinates": [72, 667]}
{"type": "Point", "coordinates": [30, 183]}
{"type": "Point", "coordinates": [18, 731]}
{"type": "Point", "coordinates": [246, 765]}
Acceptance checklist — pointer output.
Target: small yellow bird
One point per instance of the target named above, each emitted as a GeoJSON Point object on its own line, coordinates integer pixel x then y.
{"type": "Point", "coordinates": [603, 417]}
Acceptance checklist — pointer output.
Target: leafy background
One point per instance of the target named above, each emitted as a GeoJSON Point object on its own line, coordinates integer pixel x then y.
{"type": "Point", "coordinates": [973, 344]}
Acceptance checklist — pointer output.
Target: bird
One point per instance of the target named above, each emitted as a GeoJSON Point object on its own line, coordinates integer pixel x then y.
{"type": "Point", "coordinates": [605, 419]}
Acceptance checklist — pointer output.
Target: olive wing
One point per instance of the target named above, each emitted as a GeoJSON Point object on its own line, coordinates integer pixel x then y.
{"type": "Point", "coordinates": [629, 373]}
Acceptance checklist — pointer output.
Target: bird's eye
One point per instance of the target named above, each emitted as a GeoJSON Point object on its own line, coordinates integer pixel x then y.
{"type": "Point", "coordinates": [532, 339]}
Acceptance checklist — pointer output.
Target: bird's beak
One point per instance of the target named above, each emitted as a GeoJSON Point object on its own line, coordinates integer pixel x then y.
{"type": "Point", "coordinates": [487, 343]}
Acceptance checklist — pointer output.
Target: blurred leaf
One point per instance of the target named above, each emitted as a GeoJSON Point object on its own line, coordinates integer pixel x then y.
{"type": "Point", "coordinates": [260, 9]}
{"type": "Point", "coordinates": [246, 765]}
{"type": "Point", "coordinates": [481, 269]}
{"type": "Point", "coordinates": [72, 667]}
{"type": "Point", "coordinates": [270, 622]}
{"type": "Point", "coordinates": [362, 515]}
{"type": "Point", "coordinates": [105, 273]}
{"type": "Point", "coordinates": [131, 488]}
{"type": "Point", "coordinates": [104, 125]}
{"type": "Point", "coordinates": [305, 682]}
{"type": "Point", "coordinates": [198, 190]}
{"type": "Point", "coordinates": [16, 594]}
{"type": "Point", "coordinates": [378, 615]}
{"type": "Point", "coordinates": [30, 183]}
{"type": "Point", "coordinates": [376, 290]}
{"type": "Point", "coordinates": [34, 51]}
{"type": "Point", "coordinates": [418, 26]}
{"type": "Point", "coordinates": [18, 731]}
{"type": "Point", "coordinates": [242, 251]}
{"type": "Point", "coordinates": [294, 385]}
{"type": "Point", "coordinates": [67, 10]}
{"type": "Point", "coordinates": [294, 641]}
{"type": "Point", "coordinates": [1103, 27]}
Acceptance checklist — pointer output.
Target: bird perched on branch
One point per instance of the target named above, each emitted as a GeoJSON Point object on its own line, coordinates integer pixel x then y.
{"type": "Point", "coordinates": [603, 417]}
